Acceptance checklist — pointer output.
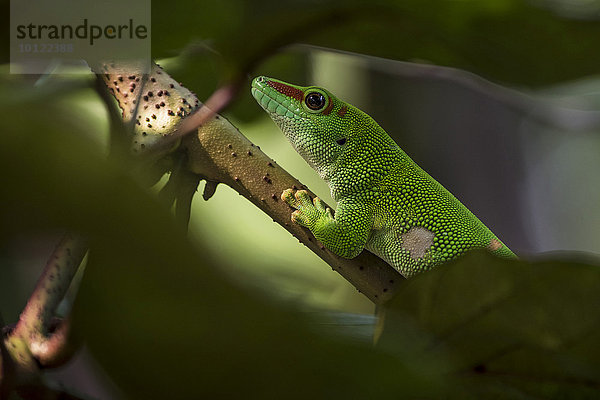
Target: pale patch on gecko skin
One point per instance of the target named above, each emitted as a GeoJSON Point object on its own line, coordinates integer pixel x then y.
{"type": "Point", "coordinates": [494, 245]}
{"type": "Point", "coordinates": [417, 241]}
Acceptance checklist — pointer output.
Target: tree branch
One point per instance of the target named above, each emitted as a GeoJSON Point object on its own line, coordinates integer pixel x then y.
{"type": "Point", "coordinates": [44, 335]}
{"type": "Point", "coordinates": [217, 152]}
{"type": "Point", "coordinates": [39, 340]}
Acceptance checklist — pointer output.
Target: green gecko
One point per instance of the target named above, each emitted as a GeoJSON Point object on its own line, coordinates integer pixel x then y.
{"type": "Point", "coordinates": [386, 203]}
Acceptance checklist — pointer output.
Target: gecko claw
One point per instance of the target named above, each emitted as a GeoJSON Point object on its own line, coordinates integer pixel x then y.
{"type": "Point", "coordinates": [288, 196]}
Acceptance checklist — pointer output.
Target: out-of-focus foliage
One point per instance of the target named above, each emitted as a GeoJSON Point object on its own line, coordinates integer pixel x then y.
{"type": "Point", "coordinates": [512, 41]}
{"type": "Point", "coordinates": [508, 329]}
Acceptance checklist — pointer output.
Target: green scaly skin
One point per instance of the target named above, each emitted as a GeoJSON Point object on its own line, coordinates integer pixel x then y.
{"type": "Point", "coordinates": [386, 203]}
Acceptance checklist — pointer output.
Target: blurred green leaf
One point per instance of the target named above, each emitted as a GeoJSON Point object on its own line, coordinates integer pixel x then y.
{"type": "Point", "coordinates": [512, 41]}
{"type": "Point", "coordinates": [508, 328]}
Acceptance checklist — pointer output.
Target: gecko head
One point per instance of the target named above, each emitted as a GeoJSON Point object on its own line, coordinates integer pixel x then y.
{"type": "Point", "coordinates": [318, 124]}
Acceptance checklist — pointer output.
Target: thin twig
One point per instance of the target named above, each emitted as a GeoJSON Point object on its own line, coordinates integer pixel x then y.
{"type": "Point", "coordinates": [35, 320]}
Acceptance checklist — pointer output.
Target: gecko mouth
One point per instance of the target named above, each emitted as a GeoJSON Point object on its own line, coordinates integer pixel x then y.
{"type": "Point", "coordinates": [274, 106]}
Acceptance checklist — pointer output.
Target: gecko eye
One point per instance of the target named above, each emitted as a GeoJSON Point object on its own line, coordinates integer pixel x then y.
{"type": "Point", "coordinates": [315, 101]}
{"type": "Point", "coordinates": [341, 141]}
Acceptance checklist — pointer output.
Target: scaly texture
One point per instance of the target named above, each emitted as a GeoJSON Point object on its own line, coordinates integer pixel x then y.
{"type": "Point", "coordinates": [386, 203]}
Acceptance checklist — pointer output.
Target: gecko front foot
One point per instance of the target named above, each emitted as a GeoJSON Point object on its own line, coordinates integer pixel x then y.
{"type": "Point", "coordinates": [308, 212]}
